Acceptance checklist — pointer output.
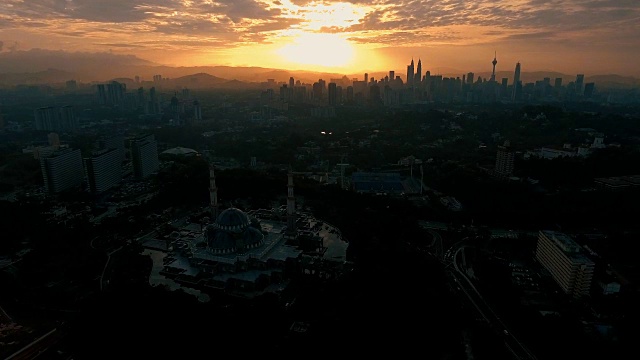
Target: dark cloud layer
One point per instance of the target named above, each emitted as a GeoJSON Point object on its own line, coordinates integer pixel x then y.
{"type": "Point", "coordinates": [234, 19]}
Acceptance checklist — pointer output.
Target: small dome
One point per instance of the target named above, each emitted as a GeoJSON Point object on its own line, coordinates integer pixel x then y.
{"type": "Point", "coordinates": [232, 220]}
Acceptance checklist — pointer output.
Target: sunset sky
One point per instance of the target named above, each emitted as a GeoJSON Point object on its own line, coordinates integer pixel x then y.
{"type": "Point", "coordinates": [571, 36]}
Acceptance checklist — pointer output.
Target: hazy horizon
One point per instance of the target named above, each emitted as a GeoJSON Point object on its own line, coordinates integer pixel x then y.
{"type": "Point", "coordinates": [350, 36]}
{"type": "Point", "coordinates": [103, 66]}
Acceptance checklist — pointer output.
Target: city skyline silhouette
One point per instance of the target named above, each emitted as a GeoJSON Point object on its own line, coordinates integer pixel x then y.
{"type": "Point", "coordinates": [338, 36]}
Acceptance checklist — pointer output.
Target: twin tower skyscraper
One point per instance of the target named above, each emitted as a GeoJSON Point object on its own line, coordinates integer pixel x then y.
{"type": "Point", "coordinates": [414, 76]}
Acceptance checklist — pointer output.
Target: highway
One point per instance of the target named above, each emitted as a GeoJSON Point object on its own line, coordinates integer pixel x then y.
{"type": "Point", "coordinates": [37, 347]}
{"type": "Point", "coordinates": [452, 260]}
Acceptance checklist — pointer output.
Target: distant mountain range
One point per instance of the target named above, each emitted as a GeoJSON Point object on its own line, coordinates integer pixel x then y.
{"type": "Point", "coordinates": [37, 67]}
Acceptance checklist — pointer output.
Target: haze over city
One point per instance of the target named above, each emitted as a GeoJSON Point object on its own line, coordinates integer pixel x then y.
{"type": "Point", "coordinates": [455, 179]}
{"type": "Point", "coordinates": [572, 36]}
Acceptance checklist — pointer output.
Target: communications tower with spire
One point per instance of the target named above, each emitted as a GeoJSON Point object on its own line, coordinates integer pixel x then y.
{"type": "Point", "coordinates": [494, 62]}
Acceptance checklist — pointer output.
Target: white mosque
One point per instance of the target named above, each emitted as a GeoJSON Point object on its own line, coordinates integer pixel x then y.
{"type": "Point", "coordinates": [250, 253]}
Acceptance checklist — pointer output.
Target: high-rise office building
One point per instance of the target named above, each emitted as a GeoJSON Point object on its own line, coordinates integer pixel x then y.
{"type": "Point", "coordinates": [112, 93]}
{"type": "Point", "coordinates": [317, 91]}
{"type": "Point", "coordinates": [588, 89]}
{"type": "Point", "coordinates": [52, 118]}
{"type": "Point", "coordinates": [375, 94]}
{"type": "Point", "coordinates": [350, 93]}
{"type": "Point", "coordinates": [144, 156]}
{"type": "Point", "coordinates": [566, 261]}
{"type": "Point", "coordinates": [410, 74]}
{"type": "Point", "coordinates": [516, 82]}
{"type": "Point", "coordinates": [46, 118]}
{"type": "Point", "coordinates": [470, 76]}
{"type": "Point", "coordinates": [197, 110]}
{"type": "Point", "coordinates": [140, 99]}
{"type": "Point", "coordinates": [558, 83]}
{"type": "Point", "coordinates": [505, 159]}
{"type": "Point", "coordinates": [332, 94]}
{"type": "Point", "coordinates": [153, 106]}
{"type": "Point", "coordinates": [284, 93]}
{"type": "Point", "coordinates": [504, 86]}
{"type": "Point", "coordinates": [104, 170]}
{"type": "Point", "coordinates": [62, 170]}
{"type": "Point", "coordinates": [579, 84]}
{"type": "Point", "coordinates": [68, 120]}
{"type": "Point", "coordinates": [418, 76]}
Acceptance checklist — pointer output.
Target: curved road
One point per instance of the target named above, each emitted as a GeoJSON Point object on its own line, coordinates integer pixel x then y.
{"type": "Point", "coordinates": [518, 349]}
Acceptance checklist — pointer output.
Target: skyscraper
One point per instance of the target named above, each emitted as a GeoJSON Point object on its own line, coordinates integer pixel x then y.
{"type": "Point", "coordinates": [103, 169]}
{"type": "Point", "coordinates": [197, 110]}
{"type": "Point", "coordinates": [470, 76]}
{"type": "Point", "coordinates": [62, 170]}
{"type": "Point", "coordinates": [516, 82]}
{"type": "Point", "coordinates": [418, 76]}
{"type": "Point", "coordinates": [588, 89]}
{"type": "Point", "coordinates": [410, 74]}
{"type": "Point", "coordinates": [144, 156]}
{"type": "Point", "coordinates": [579, 84]}
{"type": "Point", "coordinates": [52, 118]}
{"type": "Point", "coordinates": [46, 118]}
{"type": "Point", "coordinates": [153, 107]}
{"type": "Point", "coordinates": [332, 94]}
{"type": "Point", "coordinates": [68, 120]}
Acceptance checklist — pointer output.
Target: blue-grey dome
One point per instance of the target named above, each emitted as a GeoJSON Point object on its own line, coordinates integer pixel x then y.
{"type": "Point", "coordinates": [232, 220]}
{"type": "Point", "coordinates": [233, 232]}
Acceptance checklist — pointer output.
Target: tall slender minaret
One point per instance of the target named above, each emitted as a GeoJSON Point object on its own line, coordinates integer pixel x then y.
{"type": "Point", "coordinates": [291, 207]}
{"type": "Point", "coordinates": [213, 194]}
{"type": "Point", "coordinates": [494, 62]}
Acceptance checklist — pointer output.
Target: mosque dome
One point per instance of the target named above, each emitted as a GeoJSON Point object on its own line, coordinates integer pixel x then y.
{"type": "Point", "coordinates": [233, 232]}
{"type": "Point", "coordinates": [233, 220]}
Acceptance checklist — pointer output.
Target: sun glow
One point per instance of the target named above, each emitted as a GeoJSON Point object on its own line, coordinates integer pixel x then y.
{"type": "Point", "coordinates": [319, 49]}
{"type": "Point", "coordinates": [336, 15]}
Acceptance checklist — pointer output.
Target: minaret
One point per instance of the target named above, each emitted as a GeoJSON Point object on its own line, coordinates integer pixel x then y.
{"type": "Point", "coordinates": [494, 62]}
{"type": "Point", "coordinates": [213, 194]}
{"type": "Point", "coordinates": [291, 207]}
